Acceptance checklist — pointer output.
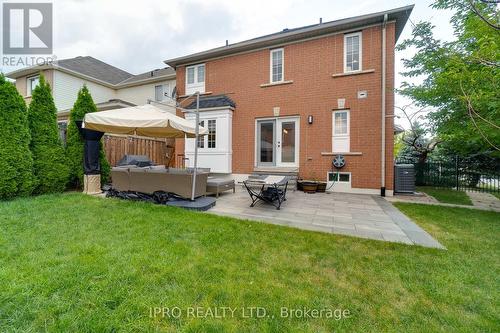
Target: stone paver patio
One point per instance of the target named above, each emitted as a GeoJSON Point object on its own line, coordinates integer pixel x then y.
{"type": "Point", "coordinates": [355, 215]}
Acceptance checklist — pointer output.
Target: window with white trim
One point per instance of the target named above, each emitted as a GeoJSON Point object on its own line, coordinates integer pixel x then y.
{"type": "Point", "coordinates": [212, 131]}
{"type": "Point", "coordinates": [201, 139]}
{"type": "Point", "coordinates": [339, 177]}
{"type": "Point", "coordinates": [208, 141]}
{"type": "Point", "coordinates": [195, 79]}
{"type": "Point", "coordinates": [277, 65]}
{"type": "Point", "coordinates": [340, 129]}
{"type": "Point", "coordinates": [32, 83]}
{"type": "Point", "coordinates": [162, 92]}
{"type": "Point", "coordinates": [352, 52]}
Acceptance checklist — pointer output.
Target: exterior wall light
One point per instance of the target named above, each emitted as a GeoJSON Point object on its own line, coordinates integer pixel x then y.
{"type": "Point", "coordinates": [310, 119]}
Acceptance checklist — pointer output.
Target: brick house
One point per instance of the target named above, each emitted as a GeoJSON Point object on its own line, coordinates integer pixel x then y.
{"type": "Point", "coordinates": [293, 100]}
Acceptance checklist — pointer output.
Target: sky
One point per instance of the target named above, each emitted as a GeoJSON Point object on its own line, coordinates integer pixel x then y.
{"type": "Point", "coordinates": [138, 36]}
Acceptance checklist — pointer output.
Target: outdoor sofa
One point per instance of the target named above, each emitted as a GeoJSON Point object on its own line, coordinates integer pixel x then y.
{"type": "Point", "coordinates": [158, 178]}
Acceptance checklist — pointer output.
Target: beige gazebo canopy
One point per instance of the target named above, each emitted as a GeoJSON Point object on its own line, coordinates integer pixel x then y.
{"type": "Point", "coordinates": [149, 120]}
{"type": "Point", "coordinates": [144, 120]}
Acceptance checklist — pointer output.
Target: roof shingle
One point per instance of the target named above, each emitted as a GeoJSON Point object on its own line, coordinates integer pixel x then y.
{"type": "Point", "coordinates": [95, 68]}
{"type": "Point", "coordinates": [214, 101]}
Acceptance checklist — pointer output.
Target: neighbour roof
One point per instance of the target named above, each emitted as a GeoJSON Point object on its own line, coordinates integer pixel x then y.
{"type": "Point", "coordinates": [95, 68]}
{"type": "Point", "coordinates": [398, 129]}
{"type": "Point", "coordinates": [92, 68]}
{"type": "Point", "coordinates": [399, 15]}
{"type": "Point", "coordinates": [167, 71]}
{"type": "Point", "coordinates": [213, 101]}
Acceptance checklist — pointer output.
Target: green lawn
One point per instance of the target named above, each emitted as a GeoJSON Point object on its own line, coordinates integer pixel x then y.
{"type": "Point", "coordinates": [73, 263]}
{"type": "Point", "coordinates": [446, 195]}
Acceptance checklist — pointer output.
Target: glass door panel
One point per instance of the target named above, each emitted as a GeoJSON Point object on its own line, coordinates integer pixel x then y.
{"type": "Point", "coordinates": [287, 142]}
{"type": "Point", "coordinates": [266, 142]}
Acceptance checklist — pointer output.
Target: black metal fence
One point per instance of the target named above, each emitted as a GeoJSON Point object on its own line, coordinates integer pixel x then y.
{"type": "Point", "coordinates": [460, 174]}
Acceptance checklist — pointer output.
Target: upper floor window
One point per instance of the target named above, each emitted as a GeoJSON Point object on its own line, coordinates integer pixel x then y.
{"type": "Point", "coordinates": [32, 84]}
{"type": "Point", "coordinates": [276, 70]}
{"type": "Point", "coordinates": [162, 92]}
{"type": "Point", "coordinates": [352, 52]}
{"type": "Point", "coordinates": [195, 79]}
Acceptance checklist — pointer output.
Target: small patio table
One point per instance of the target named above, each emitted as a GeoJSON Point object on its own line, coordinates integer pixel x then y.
{"type": "Point", "coordinates": [269, 189]}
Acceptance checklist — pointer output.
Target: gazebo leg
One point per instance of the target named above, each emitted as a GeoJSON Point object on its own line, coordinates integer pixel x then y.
{"type": "Point", "coordinates": [92, 184]}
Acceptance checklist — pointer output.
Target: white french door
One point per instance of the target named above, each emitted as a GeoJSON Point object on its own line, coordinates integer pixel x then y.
{"type": "Point", "coordinates": [278, 142]}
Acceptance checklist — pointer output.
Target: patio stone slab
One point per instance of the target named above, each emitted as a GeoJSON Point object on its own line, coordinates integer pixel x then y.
{"type": "Point", "coordinates": [357, 215]}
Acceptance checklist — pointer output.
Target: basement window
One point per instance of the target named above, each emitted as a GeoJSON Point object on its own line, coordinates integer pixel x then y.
{"type": "Point", "coordinates": [339, 177]}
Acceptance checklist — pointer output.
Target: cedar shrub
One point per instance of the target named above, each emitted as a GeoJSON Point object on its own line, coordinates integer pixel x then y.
{"type": "Point", "coordinates": [16, 162]}
{"type": "Point", "coordinates": [74, 143]}
{"type": "Point", "coordinates": [49, 160]}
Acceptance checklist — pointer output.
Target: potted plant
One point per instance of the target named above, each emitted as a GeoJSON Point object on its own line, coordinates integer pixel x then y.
{"type": "Point", "coordinates": [310, 186]}
{"type": "Point", "coordinates": [321, 187]}
{"type": "Point", "coordinates": [299, 184]}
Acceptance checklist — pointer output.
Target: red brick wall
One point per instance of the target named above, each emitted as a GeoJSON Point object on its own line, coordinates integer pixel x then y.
{"type": "Point", "coordinates": [310, 65]}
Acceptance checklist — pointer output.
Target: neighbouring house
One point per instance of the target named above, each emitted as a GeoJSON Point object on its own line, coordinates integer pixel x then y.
{"type": "Point", "coordinates": [110, 87]}
{"type": "Point", "coordinates": [291, 101]}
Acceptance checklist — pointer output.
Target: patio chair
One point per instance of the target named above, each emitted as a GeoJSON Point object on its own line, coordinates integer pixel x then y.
{"type": "Point", "coordinates": [269, 189]}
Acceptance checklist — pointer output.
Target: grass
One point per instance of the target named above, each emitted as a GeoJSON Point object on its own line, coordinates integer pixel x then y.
{"type": "Point", "coordinates": [496, 194]}
{"type": "Point", "coordinates": [446, 195]}
{"type": "Point", "coordinates": [73, 263]}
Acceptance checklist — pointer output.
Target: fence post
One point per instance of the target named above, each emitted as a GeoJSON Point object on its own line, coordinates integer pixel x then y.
{"type": "Point", "coordinates": [456, 172]}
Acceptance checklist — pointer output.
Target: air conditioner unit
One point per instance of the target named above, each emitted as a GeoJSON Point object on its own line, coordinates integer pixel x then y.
{"type": "Point", "coordinates": [404, 178]}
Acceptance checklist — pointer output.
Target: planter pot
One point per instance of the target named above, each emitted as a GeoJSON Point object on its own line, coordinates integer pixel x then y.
{"type": "Point", "coordinates": [321, 187]}
{"type": "Point", "coordinates": [299, 185]}
{"type": "Point", "coordinates": [309, 187]}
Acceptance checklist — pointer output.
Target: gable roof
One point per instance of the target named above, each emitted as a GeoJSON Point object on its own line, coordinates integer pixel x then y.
{"type": "Point", "coordinates": [93, 69]}
{"type": "Point", "coordinates": [399, 15]}
{"type": "Point", "coordinates": [213, 101]}
{"type": "Point", "coordinates": [167, 71]}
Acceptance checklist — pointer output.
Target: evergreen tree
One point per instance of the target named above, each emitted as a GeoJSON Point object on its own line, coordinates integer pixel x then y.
{"type": "Point", "coordinates": [74, 144]}
{"type": "Point", "coordinates": [16, 162]}
{"type": "Point", "coordinates": [49, 160]}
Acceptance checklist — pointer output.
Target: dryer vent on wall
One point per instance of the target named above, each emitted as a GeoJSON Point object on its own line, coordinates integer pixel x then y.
{"type": "Point", "coordinates": [404, 178]}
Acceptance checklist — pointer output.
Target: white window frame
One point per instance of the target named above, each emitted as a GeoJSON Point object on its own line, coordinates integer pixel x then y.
{"type": "Point", "coordinates": [339, 173]}
{"type": "Point", "coordinates": [29, 91]}
{"type": "Point", "coordinates": [360, 35]}
{"type": "Point", "coordinates": [342, 136]}
{"type": "Point", "coordinates": [208, 135]}
{"type": "Point", "coordinates": [282, 65]}
{"type": "Point", "coordinates": [165, 92]}
{"type": "Point", "coordinates": [191, 88]}
{"type": "Point", "coordinates": [204, 139]}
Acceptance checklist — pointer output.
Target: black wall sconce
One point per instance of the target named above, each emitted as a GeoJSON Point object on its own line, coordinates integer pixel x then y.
{"type": "Point", "coordinates": [310, 119]}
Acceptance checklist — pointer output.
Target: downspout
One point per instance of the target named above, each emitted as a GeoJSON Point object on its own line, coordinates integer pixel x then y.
{"type": "Point", "coordinates": [382, 184]}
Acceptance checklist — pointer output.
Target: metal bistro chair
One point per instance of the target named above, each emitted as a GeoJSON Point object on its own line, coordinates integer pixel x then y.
{"type": "Point", "coordinates": [269, 189]}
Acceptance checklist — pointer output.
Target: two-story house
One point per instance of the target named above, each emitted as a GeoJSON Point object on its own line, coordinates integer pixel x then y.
{"type": "Point", "coordinates": [111, 87]}
{"type": "Point", "coordinates": [295, 99]}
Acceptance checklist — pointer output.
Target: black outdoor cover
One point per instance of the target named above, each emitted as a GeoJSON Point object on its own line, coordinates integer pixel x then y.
{"type": "Point", "coordinates": [92, 139]}
{"type": "Point", "coordinates": [139, 160]}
